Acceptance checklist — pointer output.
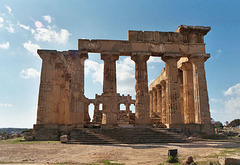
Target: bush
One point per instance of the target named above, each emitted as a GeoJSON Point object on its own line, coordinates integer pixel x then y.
{"type": "Point", "coordinates": [172, 159]}
{"type": "Point", "coordinates": [234, 123]}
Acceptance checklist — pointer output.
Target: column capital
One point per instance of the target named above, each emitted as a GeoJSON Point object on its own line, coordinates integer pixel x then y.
{"type": "Point", "coordinates": [194, 57]}
{"type": "Point", "coordinates": [47, 54]}
{"type": "Point", "coordinates": [186, 66]}
{"type": "Point", "coordinates": [158, 87]}
{"type": "Point", "coordinates": [171, 55]}
{"type": "Point", "coordinates": [140, 56]}
{"type": "Point", "coordinates": [109, 56]}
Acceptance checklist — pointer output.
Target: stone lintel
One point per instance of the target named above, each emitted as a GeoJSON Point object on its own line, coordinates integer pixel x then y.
{"type": "Point", "coordinates": [125, 48]}
{"type": "Point", "coordinates": [155, 36]}
{"type": "Point", "coordinates": [193, 29]}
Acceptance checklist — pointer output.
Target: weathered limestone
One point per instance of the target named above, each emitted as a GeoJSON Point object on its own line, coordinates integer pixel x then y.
{"type": "Point", "coordinates": [151, 103]}
{"type": "Point", "coordinates": [159, 101]}
{"type": "Point", "coordinates": [177, 98]}
{"type": "Point", "coordinates": [45, 98]}
{"type": "Point", "coordinates": [142, 114]}
{"type": "Point", "coordinates": [110, 108]}
{"type": "Point", "coordinates": [79, 103]}
{"type": "Point", "coordinates": [154, 102]}
{"type": "Point", "coordinates": [172, 89]}
{"type": "Point", "coordinates": [164, 105]}
{"type": "Point", "coordinates": [188, 95]}
{"type": "Point", "coordinates": [202, 113]}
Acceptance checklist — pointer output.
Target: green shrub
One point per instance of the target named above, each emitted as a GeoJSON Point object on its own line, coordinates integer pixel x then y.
{"type": "Point", "coordinates": [172, 159]}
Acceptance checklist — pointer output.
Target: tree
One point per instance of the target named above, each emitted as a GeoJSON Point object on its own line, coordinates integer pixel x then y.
{"type": "Point", "coordinates": [234, 123]}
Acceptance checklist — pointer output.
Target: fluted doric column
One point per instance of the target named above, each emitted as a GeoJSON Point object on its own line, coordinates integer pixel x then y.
{"type": "Point", "coordinates": [201, 102]}
{"type": "Point", "coordinates": [154, 91]}
{"type": "Point", "coordinates": [110, 106]}
{"type": "Point", "coordinates": [159, 101]}
{"type": "Point", "coordinates": [45, 99]}
{"type": "Point", "coordinates": [164, 104]}
{"type": "Point", "coordinates": [142, 114]}
{"type": "Point", "coordinates": [151, 103]}
{"type": "Point", "coordinates": [172, 88]}
{"type": "Point", "coordinates": [79, 103]}
{"type": "Point", "coordinates": [188, 94]}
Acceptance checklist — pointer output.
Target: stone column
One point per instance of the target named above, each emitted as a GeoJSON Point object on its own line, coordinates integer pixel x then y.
{"type": "Point", "coordinates": [159, 101]}
{"type": "Point", "coordinates": [188, 94]}
{"type": "Point", "coordinates": [78, 100]}
{"type": "Point", "coordinates": [154, 90]}
{"type": "Point", "coordinates": [110, 108]}
{"type": "Point", "coordinates": [201, 102]}
{"type": "Point", "coordinates": [172, 88]}
{"type": "Point", "coordinates": [45, 99]}
{"type": "Point", "coordinates": [142, 114]}
{"type": "Point", "coordinates": [151, 102]}
{"type": "Point", "coordinates": [164, 105]}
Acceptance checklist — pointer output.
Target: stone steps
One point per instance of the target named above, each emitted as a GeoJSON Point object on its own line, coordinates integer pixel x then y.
{"type": "Point", "coordinates": [124, 136]}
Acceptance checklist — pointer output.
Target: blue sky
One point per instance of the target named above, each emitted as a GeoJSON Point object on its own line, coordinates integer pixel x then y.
{"type": "Point", "coordinates": [29, 25]}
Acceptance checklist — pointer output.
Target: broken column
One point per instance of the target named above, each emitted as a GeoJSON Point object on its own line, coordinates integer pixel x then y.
{"type": "Point", "coordinates": [110, 109]}
{"type": "Point", "coordinates": [79, 103]}
{"type": "Point", "coordinates": [172, 88]}
{"type": "Point", "coordinates": [142, 114]}
{"type": "Point", "coordinates": [45, 99]}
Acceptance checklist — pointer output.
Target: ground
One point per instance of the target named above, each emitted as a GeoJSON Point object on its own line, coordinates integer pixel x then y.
{"type": "Point", "coordinates": [13, 151]}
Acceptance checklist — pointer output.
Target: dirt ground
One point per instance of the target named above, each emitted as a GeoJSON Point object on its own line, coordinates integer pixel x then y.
{"type": "Point", "coordinates": [149, 154]}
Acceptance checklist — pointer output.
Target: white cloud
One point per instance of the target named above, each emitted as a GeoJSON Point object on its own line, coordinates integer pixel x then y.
{"type": "Point", "coordinates": [47, 18]}
{"type": "Point", "coordinates": [5, 105]}
{"type": "Point", "coordinates": [8, 8]}
{"type": "Point", "coordinates": [95, 69]}
{"type": "Point", "coordinates": [50, 35]}
{"type": "Point", "coordinates": [233, 91]}
{"type": "Point", "coordinates": [125, 74]}
{"type": "Point", "coordinates": [232, 103]}
{"type": "Point", "coordinates": [10, 28]}
{"type": "Point", "coordinates": [32, 48]}
{"type": "Point", "coordinates": [26, 27]}
{"type": "Point", "coordinates": [29, 73]}
{"type": "Point", "coordinates": [229, 106]}
{"type": "Point", "coordinates": [154, 59]}
{"type": "Point", "coordinates": [1, 22]}
{"type": "Point", "coordinates": [4, 45]}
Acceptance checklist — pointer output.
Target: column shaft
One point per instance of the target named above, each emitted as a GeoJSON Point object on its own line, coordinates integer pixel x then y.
{"type": "Point", "coordinates": [45, 99]}
{"type": "Point", "coordinates": [201, 102]}
{"type": "Point", "coordinates": [110, 107]}
{"type": "Point", "coordinates": [172, 89]}
{"type": "Point", "coordinates": [159, 101]}
{"type": "Point", "coordinates": [142, 114]}
{"type": "Point", "coordinates": [164, 105]}
{"type": "Point", "coordinates": [188, 94]}
{"type": "Point", "coordinates": [151, 103]}
{"type": "Point", "coordinates": [154, 90]}
{"type": "Point", "coordinates": [79, 103]}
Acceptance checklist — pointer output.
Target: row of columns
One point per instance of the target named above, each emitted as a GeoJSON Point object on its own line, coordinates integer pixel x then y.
{"type": "Point", "coordinates": [75, 103]}
{"type": "Point", "coordinates": [141, 88]}
{"type": "Point", "coordinates": [165, 101]}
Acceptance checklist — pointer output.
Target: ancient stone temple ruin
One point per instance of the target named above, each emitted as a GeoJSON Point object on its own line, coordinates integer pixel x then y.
{"type": "Point", "coordinates": [178, 98]}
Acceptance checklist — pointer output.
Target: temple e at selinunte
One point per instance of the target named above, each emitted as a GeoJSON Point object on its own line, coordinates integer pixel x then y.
{"type": "Point", "coordinates": [178, 98]}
